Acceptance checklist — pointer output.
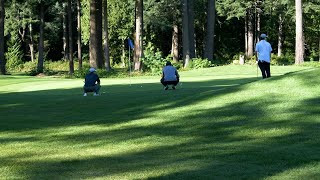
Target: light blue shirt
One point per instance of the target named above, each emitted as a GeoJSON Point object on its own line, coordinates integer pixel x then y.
{"type": "Point", "coordinates": [263, 49]}
{"type": "Point", "coordinates": [170, 73]}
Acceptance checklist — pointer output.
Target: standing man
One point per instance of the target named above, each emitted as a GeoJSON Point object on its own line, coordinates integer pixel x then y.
{"type": "Point", "coordinates": [170, 76]}
{"type": "Point", "coordinates": [91, 83]}
{"type": "Point", "coordinates": [263, 56]}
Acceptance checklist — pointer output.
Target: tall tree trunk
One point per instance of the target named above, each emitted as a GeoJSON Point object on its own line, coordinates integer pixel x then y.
{"type": "Point", "coordinates": [250, 34]}
{"type": "Point", "coordinates": [299, 52]}
{"type": "Point", "coordinates": [65, 32]}
{"type": "Point", "coordinates": [95, 45]}
{"type": "Point", "coordinates": [99, 34]}
{"type": "Point", "coordinates": [79, 33]}
{"type": "Point", "coordinates": [209, 44]}
{"type": "Point", "coordinates": [31, 43]}
{"type": "Point", "coordinates": [138, 45]}
{"type": "Point", "coordinates": [175, 43]}
{"type": "Point", "coordinates": [71, 64]}
{"type": "Point", "coordinates": [258, 25]}
{"type": "Point", "coordinates": [280, 35]}
{"type": "Point", "coordinates": [41, 40]}
{"type": "Point", "coordinates": [185, 34]}
{"type": "Point", "coordinates": [191, 29]}
{"type": "Point", "coordinates": [246, 33]}
{"type": "Point", "coordinates": [2, 58]}
{"type": "Point", "coordinates": [105, 36]}
{"type": "Point", "coordinates": [123, 57]}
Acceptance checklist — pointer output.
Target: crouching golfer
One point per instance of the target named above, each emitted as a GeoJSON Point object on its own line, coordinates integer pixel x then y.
{"type": "Point", "coordinates": [170, 76]}
{"type": "Point", "coordinates": [91, 83]}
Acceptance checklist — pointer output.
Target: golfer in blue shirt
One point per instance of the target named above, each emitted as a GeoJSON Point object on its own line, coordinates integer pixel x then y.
{"type": "Point", "coordinates": [263, 56]}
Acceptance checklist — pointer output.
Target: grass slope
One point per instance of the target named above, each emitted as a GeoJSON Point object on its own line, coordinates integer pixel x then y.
{"type": "Point", "coordinates": [221, 123]}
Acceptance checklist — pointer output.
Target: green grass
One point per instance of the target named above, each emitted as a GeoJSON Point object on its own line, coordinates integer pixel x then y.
{"type": "Point", "coordinates": [221, 123]}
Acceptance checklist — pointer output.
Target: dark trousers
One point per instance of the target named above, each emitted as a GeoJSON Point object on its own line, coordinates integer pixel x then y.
{"type": "Point", "coordinates": [265, 69]}
{"type": "Point", "coordinates": [165, 83]}
{"type": "Point", "coordinates": [94, 88]}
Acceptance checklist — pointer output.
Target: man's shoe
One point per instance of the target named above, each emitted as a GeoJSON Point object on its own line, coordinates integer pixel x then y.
{"type": "Point", "coordinates": [85, 94]}
{"type": "Point", "coordinates": [166, 88]}
{"type": "Point", "coordinates": [173, 87]}
{"type": "Point", "coordinates": [95, 94]}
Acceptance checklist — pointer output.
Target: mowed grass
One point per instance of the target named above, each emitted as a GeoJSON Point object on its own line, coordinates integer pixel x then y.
{"type": "Point", "coordinates": [221, 123]}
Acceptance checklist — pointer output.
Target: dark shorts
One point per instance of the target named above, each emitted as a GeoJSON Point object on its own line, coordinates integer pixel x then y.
{"type": "Point", "coordinates": [165, 83]}
{"type": "Point", "coordinates": [95, 88]}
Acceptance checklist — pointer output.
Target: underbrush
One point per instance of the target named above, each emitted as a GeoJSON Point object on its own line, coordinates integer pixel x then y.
{"type": "Point", "coordinates": [61, 68]}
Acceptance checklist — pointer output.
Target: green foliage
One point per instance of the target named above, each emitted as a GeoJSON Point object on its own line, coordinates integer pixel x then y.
{"type": "Point", "coordinates": [14, 54]}
{"type": "Point", "coordinates": [80, 73]}
{"type": "Point", "coordinates": [282, 60]}
{"type": "Point", "coordinates": [29, 68]}
{"type": "Point", "coordinates": [120, 27]}
{"type": "Point", "coordinates": [102, 73]}
{"type": "Point", "coordinates": [85, 21]}
{"type": "Point", "coordinates": [199, 63]}
{"type": "Point", "coordinates": [311, 64]}
{"type": "Point", "coordinates": [178, 65]}
{"type": "Point", "coordinates": [153, 59]}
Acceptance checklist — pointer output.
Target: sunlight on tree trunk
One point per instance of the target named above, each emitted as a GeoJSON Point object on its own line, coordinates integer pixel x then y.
{"type": "Point", "coordinates": [65, 32]}
{"type": "Point", "coordinates": [175, 43]}
{"type": "Point", "coordinates": [105, 36]}
{"type": "Point", "coordinates": [299, 56]}
{"type": "Point", "coordinates": [246, 33]}
{"type": "Point", "coordinates": [138, 45]}
{"type": "Point", "coordinates": [250, 33]}
{"type": "Point", "coordinates": [31, 43]}
{"type": "Point", "coordinates": [188, 40]}
{"type": "Point", "coordinates": [280, 35]}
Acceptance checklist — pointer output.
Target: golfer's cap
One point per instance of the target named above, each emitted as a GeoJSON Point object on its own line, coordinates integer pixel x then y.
{"type": "Point", "coordinates": [92, 70]}
{"type": "Point", "coordinates": [263, 36]}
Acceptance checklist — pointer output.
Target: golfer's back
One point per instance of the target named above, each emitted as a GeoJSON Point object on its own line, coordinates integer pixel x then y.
{"type": "Point", "coordinates": [91, 79]}
{"type": "Point", "coordinates": [169, 73]}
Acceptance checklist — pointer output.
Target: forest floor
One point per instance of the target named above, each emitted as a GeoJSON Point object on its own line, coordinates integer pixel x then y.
{"type": "Point", "coordinates": [220, 123]}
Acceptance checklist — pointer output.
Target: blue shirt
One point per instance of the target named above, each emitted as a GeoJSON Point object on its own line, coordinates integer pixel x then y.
{"type": "Point", "coordinates": [170, 73]}
{"type": "Point", "coordinates": [263, 48]}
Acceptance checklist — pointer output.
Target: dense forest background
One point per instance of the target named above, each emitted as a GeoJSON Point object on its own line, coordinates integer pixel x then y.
{"type": "Point", "coordinates": [55, 30]}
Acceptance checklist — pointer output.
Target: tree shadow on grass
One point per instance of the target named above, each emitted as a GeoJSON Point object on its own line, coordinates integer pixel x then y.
{"type": "Point", "coordinates": [214, 143]}
{"type": "Point", "coordinates": [214, 150]}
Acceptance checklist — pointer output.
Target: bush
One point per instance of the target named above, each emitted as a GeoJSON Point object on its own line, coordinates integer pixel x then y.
{"type": "Point", "coordinates": [198, 63]}
{"type": "Point", "coordinates": [311, 64]}
{"type": "Point", "coordinates": [14, 54]}
{"type": "Point", "coordinates": [282, 60]}
{"type": "Point", "coordinates": [153, 59]}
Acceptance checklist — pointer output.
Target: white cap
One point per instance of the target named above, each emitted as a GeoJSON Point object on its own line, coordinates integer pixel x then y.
{"type": "Point", "coordinates": [92, 70]}
{"type": "Point", "coordinates": [263, 36]}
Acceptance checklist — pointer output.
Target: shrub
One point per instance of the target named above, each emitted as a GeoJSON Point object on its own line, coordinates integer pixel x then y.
{"type": "Point", "coordinates": [198, 63]}
{"type": "Point", "coordinates": [153, 59]}
{"type": "Point", "coordinates": [14, 54]}
{"type": "Point", "coordinates": [282, 60]}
